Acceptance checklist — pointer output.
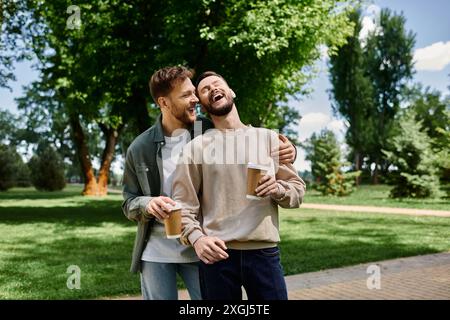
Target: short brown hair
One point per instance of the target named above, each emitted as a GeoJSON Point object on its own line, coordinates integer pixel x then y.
{"type": "Point", "coordinates": [207, 74]}
{"type": "Point", "coordinates": [163, 80]}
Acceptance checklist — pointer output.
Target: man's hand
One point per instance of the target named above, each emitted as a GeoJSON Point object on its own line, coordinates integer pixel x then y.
{"type": "Point", "coordinates": [210, 249]}
{"type": "Point", "coordinates": [159, 206]}
{"type": "Point", "coordinates": [268, 186]}
{"type": "Point", "coordinates": [286, 152]}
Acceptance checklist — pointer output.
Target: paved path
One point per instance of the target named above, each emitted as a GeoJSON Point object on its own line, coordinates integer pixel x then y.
{"type": "Point", "coordinates": [418, 278]}
{"type": "Point", "coordinates": [416, 212]}
{"type": "Point", "coordinates": [422, 277]}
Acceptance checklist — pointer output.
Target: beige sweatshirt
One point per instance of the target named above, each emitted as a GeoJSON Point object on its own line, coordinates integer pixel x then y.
{"type": "Point", "coordinates": [210, 183]}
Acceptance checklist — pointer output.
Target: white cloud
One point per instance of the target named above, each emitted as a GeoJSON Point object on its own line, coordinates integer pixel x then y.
{"type": "Point", "coordinates": [373, 10]}
{"type": "Point", "coordinates": [368, 25]}
{"type": "Point", "coordinates": [433, 58]}
{"type": "Point", "coordinates": [369, 22]}
{"type": "Point", "coordinates": [337, 126]}
{"type": "Point", "coordinates": [316, 121]}
{"type": "Point", "coordinates": [312, 122]}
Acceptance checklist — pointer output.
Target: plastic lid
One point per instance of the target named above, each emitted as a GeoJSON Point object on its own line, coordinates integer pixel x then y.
{"type": "Point", "coordinates": [256, 166]}
{"type": "Point", "coordinates": [176, 207]}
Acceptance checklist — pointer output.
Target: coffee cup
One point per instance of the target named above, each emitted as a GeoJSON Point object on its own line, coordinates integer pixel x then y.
{"type": "Point", "coordinates": [172, 224]}
{"type": "Point", "coordinates": [254, 173]}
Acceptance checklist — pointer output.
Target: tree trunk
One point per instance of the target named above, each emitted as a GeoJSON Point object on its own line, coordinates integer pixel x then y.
{"type": "Point", "coordinates": [358, 167]}
{"type": "Point", "coordinates": [90, 182]}
{"type": "Point", "coordinates": [375, 178]}
{"type": "Point", "coordinates": [111, 136]}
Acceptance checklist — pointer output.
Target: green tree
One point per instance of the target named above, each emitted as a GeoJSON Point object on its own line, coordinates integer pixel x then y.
{"type": "Point", "coordinates": [352, 92]}
{"type": "Point", "coordinates": [99, 72]}
{"type": "Point", "coordinates": [5, 59]}
{"type": "Point", "coordinates": [8, 123]}
{"type": "Point", "coordinates": [415, 172]}
{"type": "Point", "coordinates": [47, 169]}
{"type": "Point", "coordinates": [11, 167]}
{"type": "Point", "coordinates": [23, 178]}
{"type": "Point", "coordinates": [433, 112]}
{"type": "Point", "coordinates": [46, 122]}
{"type": "Point", "coordinates": [11, 48]}
{"type": "Point", "coordinates": [389, 59]}
{"type": "Point", "coordinates": [326, 165]}
{"type": "Point", "coordinates": [443, 155]}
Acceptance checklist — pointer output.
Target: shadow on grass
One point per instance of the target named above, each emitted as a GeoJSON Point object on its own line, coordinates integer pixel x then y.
{"type": "Point", "coordinates": [343, 241]}
{"type": "Point", "coordinates": [23, 194]}
{"type": "Point", "coordinates": [32, 194]}
{"type": "Point", "coordinates": [40, 271]}
{"type": "Point", "coordinates": [368, 220]}
{"type": "Point", "coordinates": [89, 214]}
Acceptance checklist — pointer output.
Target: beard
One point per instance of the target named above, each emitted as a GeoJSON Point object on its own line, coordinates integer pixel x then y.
{"type": "Point", "coordinates": [183, 115]}
{"type": "Point", "coordinates": [222, 110]}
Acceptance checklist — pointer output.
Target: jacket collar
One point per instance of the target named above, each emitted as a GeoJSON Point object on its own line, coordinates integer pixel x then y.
{"type": "Point", "coordinates": [159, 132]}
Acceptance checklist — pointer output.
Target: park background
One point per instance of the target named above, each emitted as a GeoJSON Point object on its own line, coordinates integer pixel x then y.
{"type": "Point", "coordinates": [361, 87]}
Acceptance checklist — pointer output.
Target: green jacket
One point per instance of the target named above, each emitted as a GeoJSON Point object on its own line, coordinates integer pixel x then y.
{"type": "Point", "coordinates": [143, 180]}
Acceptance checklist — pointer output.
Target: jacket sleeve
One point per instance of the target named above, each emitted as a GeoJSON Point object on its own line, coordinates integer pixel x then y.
{"type": "Point", "coordinates": [185, 191]}
{"type": "Point", "coordinates": [135, 203]}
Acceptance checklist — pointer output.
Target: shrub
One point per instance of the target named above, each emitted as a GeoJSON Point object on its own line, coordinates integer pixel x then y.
{"type": "Point", "coordinates": [47, 170]}
{"type": "Point", "coordinates": [416, 171]}
{"type": "Point", "coordinates": [326, 165]}
{"type": "Point", "coordinates": [10, 167]}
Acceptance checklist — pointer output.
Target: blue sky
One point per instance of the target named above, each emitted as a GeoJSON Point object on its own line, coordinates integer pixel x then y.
{"type": "Point", "coordinates": [428, 19]}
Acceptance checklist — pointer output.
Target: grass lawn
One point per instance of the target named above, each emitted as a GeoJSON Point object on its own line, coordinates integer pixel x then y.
{"type": "Point", "coordinates": [368, 195]}
{"type": "Point", "coordinates": [313, 240]}
{"type": "Point", "coordinates": [42, 234]}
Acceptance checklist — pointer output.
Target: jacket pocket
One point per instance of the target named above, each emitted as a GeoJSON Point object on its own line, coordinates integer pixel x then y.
{"type": "Point", "coordinates": [142, 172]}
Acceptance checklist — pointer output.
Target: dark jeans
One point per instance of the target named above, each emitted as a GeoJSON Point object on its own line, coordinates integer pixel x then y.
{"type": "Point", "coordinates": [259, 271]}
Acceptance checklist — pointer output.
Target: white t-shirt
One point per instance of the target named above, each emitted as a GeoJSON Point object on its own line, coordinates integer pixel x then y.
{"type": "Point", "coordinates": [159, 248]}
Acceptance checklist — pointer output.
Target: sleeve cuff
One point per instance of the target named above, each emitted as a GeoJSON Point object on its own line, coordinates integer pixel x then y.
{"type": "Point", "coordinates": [194, 236]}
{"type": "Point", "coordinates": [283, 191]}
{"type": "Point", "coordinates": [143, 203]}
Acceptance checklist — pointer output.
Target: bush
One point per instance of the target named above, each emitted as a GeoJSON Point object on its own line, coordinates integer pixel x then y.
{"type": "Point", "coordinates": [23, 176]}
{"type": "Point", "coordinates": [47, 170]}
{"type": "Point", "coordinates": [11, 165]}
{"type": "Point", "coordinates": [416, 172]}
{"type": "Point", "coordinates": [326, 165]}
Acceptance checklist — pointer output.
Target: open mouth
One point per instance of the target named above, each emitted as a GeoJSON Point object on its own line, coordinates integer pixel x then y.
{"type": "Point", "coordinates": [216, 96]}
{"type": "Point", "coordinates": [191, 110]}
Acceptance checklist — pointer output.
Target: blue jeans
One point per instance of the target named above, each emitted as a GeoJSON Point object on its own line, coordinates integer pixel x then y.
{"type": "Point", "coordinates": [159, 280]}
{"type": "Point", "coordinates": [258, 271]}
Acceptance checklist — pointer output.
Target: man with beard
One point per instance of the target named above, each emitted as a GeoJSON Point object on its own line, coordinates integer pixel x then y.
{"type": "Point", "coordinates": [147, 186]}
{"type": "Point", "coordinates": [235, 237]}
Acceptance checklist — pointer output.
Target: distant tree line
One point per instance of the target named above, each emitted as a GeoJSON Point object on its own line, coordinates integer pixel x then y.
{"type": "Point", "coordinates": [398, 133]}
